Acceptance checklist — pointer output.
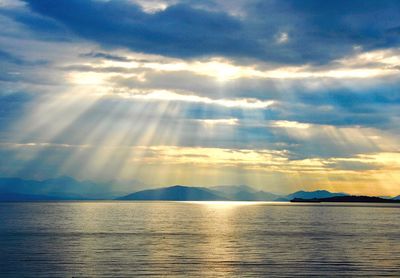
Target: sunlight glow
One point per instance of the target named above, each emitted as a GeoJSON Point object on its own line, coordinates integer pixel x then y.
{"type": "Point", "coordinates": [165, 95]}
{"type": "Point", "coordinates": [227, 204]}
{"type": "Point", "coordinates": [86, 78]}
{"type": "Point", "coordinates": [359, 66]}
{"type": "Point", "coordinates": [290, 124]}
{"type": "Point", "coordinates": [152, 6]}
{"type": "Point", "coordinates": [213, 122]}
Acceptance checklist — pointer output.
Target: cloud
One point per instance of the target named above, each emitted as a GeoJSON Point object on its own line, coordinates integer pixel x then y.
{"type": "Point", "coordinates": [7, 57]}
{"type": "Point", "coordinates": [164, 95]}
{"type": "Point", "coordinates": [103, 55]}
{"type": "Point", "coordinates": [290, 124]}
{"type": "Point", "coordinates": [277, 92]}
{"type": "Point", "coordinates": [212, 122]}
{"type": "Point", "coordinates": [353, 165]}
{"type": "Point", "coordinates": [318, 32]}
{"type": "Point", "coordinates": [178, 30]}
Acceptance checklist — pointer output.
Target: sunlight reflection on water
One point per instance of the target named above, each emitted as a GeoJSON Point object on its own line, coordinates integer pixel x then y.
{"type": "Point", "coordinates": [197, 239]}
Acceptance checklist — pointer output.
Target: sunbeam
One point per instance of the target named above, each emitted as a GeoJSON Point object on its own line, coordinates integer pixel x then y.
{"type": "Point", "coordinates": [196, 138]}
{"type": "Point", "coordinates": [104, 114]}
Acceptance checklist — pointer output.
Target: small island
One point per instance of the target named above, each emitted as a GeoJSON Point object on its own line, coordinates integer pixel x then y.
{"type": "Point", "coordinates": [346, 199]}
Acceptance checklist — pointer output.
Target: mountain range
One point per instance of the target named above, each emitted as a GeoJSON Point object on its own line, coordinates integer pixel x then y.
{"type": "Point", "coordinates": [224, 193]}
{"type": "Point", "coordinates": [60, 188]}
{"type": "Point", "coordinates": [67, 188]}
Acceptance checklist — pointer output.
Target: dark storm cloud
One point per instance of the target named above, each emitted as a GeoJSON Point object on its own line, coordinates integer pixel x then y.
{"type": "Point", "coordinates": [43, 27]}
{"type": "Point", "coordinates": [317, 31]}
{"type": "Point", "coordinates": [178, 31]}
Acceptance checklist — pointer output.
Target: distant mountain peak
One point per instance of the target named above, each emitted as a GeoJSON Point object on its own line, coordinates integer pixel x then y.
{"type": "Point", "coordinates": [177, 186]}
{"type": "Point", "coordinates": [312, 191]}
{"type": "Point", "coordinates": [174, 193]}
{"type": "Point", "coordinates": [320, 193]}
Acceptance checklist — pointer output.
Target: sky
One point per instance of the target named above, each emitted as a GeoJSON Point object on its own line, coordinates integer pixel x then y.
{"type": "Point", "coordinates": [278, 95]}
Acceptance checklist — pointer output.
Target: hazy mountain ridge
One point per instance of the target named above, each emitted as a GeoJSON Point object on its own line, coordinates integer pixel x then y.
{"type": "Point", "coordinates": [232, 189]}
{"type": "Point", "coordinates": [313, 194]}
{"type": "Point", "coordinates": [67, 188]}
{"type": "Point", "coordinates": [244, 193]}
{"type": "Point", "coordinates": [226, 192]}
{"type": "Point", "coordinates": [59, 188]}
{"type": "Point", "coordinates": [175, 193]}
{"type": "Point", "coordinates": [15, 197]}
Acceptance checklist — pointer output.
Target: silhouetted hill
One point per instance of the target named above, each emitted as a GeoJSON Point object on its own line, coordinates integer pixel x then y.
{"type": "Point", "coordinates": [175, 193]}
{"type": "Point", "coordinates": [313, 194]}
{"type": "Point", "coordinates": [347, 199]}
{"type": "Point", "coordinates": [396, 198]}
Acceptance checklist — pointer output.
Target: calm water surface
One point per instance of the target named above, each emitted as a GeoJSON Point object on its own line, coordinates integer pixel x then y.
{"type": "Point", "coordinates": [126, 239]}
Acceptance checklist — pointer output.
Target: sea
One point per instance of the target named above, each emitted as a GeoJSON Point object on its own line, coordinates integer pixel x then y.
{"type": "Point", "coordinates": [199, 239]}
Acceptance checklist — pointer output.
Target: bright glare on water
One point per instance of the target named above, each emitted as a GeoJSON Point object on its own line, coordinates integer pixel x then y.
{"type": "Point", "coordinates": [198, 239]}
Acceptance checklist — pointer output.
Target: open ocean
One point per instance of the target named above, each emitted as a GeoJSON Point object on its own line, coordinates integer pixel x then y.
{"type": "Point", "coordinates": [205, 239]}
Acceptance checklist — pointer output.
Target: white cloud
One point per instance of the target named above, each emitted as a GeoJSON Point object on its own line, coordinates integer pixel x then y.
{"type": "Point", "coordinates": [360, 66]}
{"type": "Point", "coordinates": [282, 38]}
{"type": "Point", "coordinates": [213, 122]}
{"type": "Point", "coordinates": [290, 124]}
{"type": "Point", "coordinates": [165, 95]}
